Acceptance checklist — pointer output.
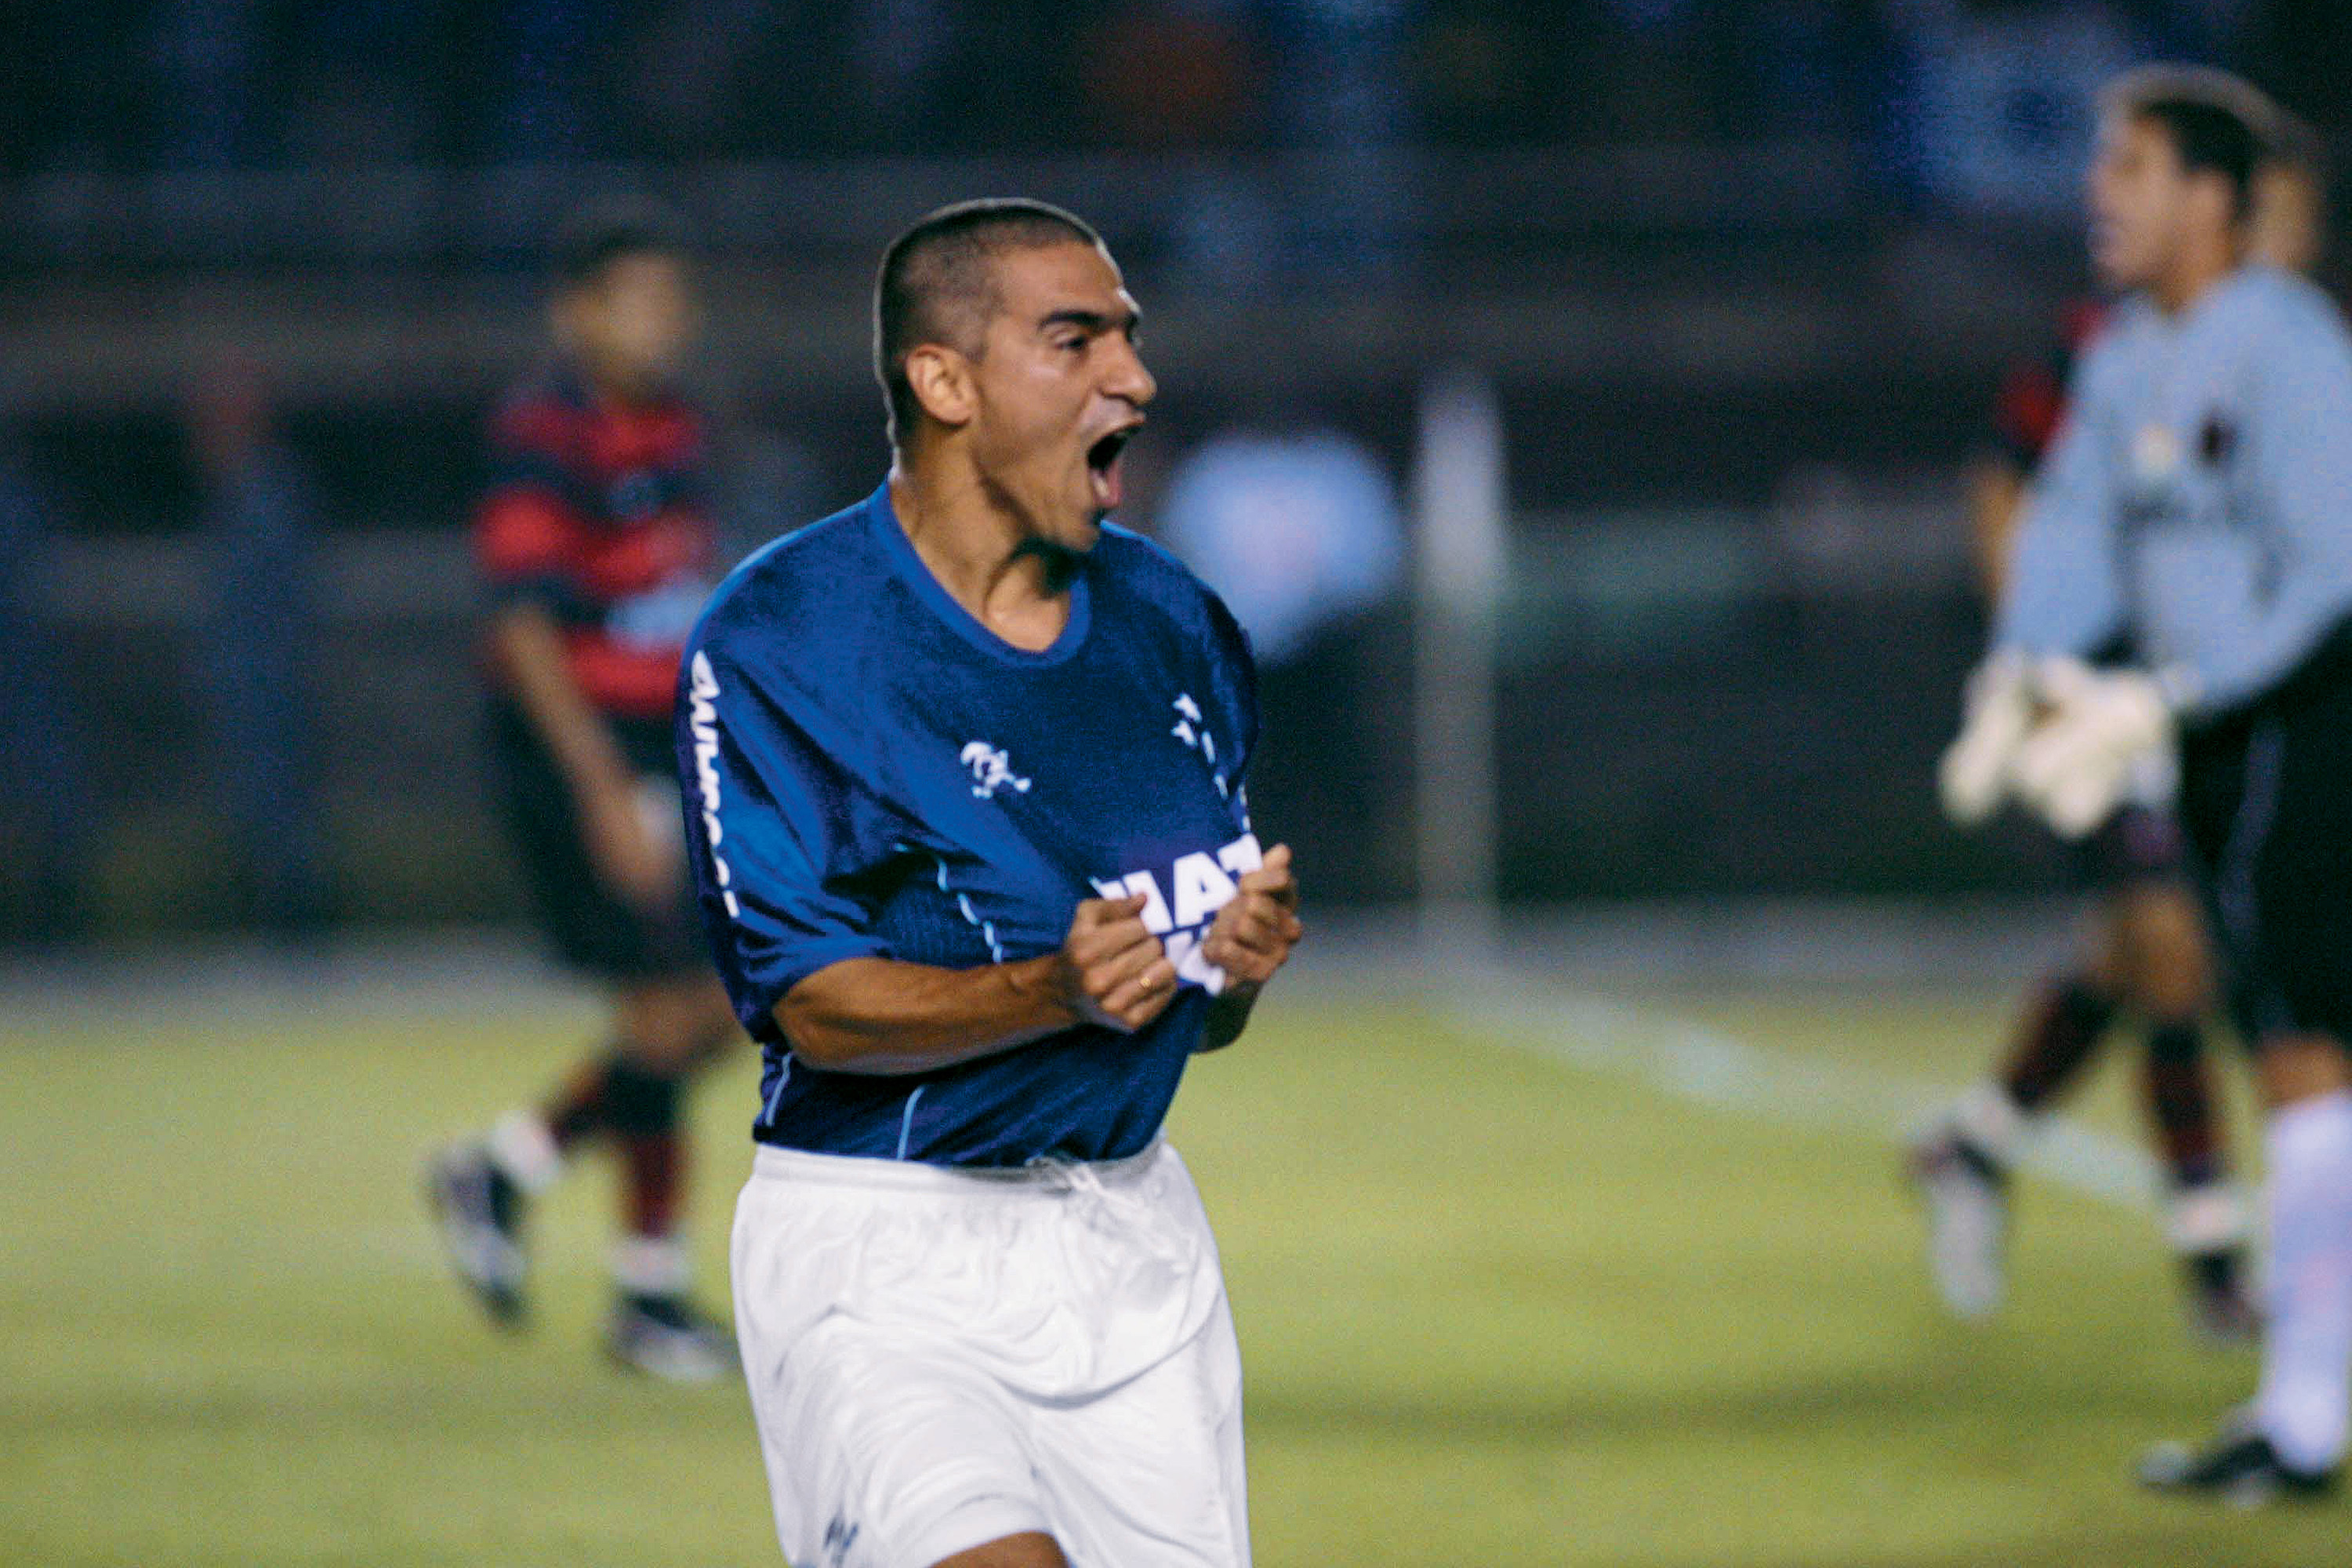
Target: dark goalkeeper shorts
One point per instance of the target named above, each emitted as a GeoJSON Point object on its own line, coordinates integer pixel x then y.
{"type": "Point", "coordinates": [2136, 845]}
{"type": "Point", "coordinates": [2266, 797]}
{"type": "Point", "coordinates": [591, 928]}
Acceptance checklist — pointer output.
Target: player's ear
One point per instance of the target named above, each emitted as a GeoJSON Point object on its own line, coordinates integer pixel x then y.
{"type": "Point", "coordinates": [2217, 202]}
{"type": "Point", "coordinates": [942, 382]}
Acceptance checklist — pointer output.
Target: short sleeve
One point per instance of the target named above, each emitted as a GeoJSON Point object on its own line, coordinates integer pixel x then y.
{"type": "Point", "coordinates": [527, 530]}
{"type": "Point", "coordinates": [781, 831]}
{"type": "Point", "coordinates": [1233, 676]}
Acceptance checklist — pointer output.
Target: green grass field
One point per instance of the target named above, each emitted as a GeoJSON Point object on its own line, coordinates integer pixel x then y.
{"type": "Point", "coordinates": [1497, 1310]}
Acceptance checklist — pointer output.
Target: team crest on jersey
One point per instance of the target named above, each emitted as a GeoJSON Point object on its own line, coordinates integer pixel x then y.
{"type": "Point", "coordinates": [992, 771]}
{"type": "Point", "coordinates": [2154, 453]}
{"type": "Point", "coordinates": [1179, 911]}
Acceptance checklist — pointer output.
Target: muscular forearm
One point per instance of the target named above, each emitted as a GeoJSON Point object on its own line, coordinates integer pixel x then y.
{"type": "Point", "coordinates": [530, 652]}
{"type": "Point", "coordinates": [879, 1016]}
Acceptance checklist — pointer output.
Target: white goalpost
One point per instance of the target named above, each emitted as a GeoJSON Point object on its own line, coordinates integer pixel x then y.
{"type": "Point", "coordinates": [1460, 558]}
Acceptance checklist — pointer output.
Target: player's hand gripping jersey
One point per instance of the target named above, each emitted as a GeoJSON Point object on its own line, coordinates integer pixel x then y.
{"type": "Point", "coordinates": [597, 513]}
{"type": "Point", "coordinates": [871, 773]}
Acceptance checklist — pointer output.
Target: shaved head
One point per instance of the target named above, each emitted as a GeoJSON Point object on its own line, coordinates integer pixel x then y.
{"type": "Point", "coordinates": [938, 285]}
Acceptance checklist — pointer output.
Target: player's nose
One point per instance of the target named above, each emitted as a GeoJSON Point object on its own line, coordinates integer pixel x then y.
{"type": "Point", "coordinates": [1125, 376]}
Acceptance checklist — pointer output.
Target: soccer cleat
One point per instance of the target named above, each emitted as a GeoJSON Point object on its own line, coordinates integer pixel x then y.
{"type": "Point", "coordinates": [478, 1210]}
{"type": "Point", "coordinates": [667, 1337]}
{"type": "Point", "coordinates": [2240, 1469]}
{"type": "Point", "coordinates": [1968, 1221]}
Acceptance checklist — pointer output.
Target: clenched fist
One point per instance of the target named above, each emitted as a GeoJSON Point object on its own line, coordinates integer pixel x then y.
{"type": "Point", "coordinates": [1253, 933]}
{"type": "Point", "coordinates": [1111, 970]}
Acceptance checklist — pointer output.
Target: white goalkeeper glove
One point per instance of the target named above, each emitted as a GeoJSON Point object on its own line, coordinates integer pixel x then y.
{"type": "Point", "coordinates": [1974, 775]}
{"type": "Point", "coordinates": [2072, 769]}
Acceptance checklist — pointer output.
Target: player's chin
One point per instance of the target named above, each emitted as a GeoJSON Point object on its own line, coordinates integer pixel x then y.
{"type": "Point", "coordinates": [1082, 531]}
{"type": "Point", "coordinates": [2111, 262]}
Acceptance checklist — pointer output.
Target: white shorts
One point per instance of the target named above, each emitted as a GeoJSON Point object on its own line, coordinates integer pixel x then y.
{"type": "Point", "coordinates": [937, 1358]}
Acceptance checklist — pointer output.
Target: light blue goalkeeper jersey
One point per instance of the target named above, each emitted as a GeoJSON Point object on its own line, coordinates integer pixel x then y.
{"type": "Point", "coordinates": [2199, 497]}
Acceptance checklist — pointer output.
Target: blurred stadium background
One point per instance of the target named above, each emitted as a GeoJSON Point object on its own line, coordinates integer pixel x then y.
{"type": "Point", "coordinates": [1575, 399]}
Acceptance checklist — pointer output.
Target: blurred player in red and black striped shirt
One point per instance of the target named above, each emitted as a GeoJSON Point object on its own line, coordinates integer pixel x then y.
{"type": "Point", "coordinates": [598, 548]}
{"type": "Point", "coordinates": [2148, 953]}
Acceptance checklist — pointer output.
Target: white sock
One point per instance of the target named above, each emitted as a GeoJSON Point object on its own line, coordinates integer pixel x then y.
{"type": "Point", "coordinates": [523, 1147]}
{"type": "Point", "coordinates": [2209, 1217]}
{"type": "Point", "coordinates": [2308, 1348]}
{"type": "Point", "coordinates": [1991, 1123]}
{"type": "Point", "coordinates": [652, 1264]}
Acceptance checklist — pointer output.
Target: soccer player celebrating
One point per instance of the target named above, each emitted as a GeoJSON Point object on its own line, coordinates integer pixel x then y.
{"type": "Point", "coordinates": [975, 858]}
{"type": "Point", "coordinates": [599, 552]}
{"type": "Point", "coordinates": [2200, 499]}
{"type": "Point", "coordinates": [2149, 951]}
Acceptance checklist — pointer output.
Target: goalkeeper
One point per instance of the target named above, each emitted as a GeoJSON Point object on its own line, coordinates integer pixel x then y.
{"type": "Point", "coordinates": [2198, 504]}
{"type": "Point", "coordinates": [2147, 952]}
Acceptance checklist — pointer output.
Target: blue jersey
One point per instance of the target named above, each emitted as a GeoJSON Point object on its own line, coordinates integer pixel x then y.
{"type": "Point", "coordinates": [872, 773]}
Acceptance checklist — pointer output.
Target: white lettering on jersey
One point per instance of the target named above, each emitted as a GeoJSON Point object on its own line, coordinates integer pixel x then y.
{"type": "Point", "coordinates": [702, 718]}
{"type": "Point", "coordinates": [1155, 907]}
{"type": "Point", "coordinates": [1200, 887]}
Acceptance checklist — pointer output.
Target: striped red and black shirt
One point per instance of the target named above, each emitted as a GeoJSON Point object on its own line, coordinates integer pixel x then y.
{"type": "Point", "coordinates": [599, 512]}
{"type": "Point", "coordinates": [2031, 403]}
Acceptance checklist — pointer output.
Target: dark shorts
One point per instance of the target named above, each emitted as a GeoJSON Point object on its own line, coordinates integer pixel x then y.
{"type": "Point", "coordinates": [2266, 798]}
{"type": "Point", "coordinates": [2136, 845]}
{"type": "Point", "coordinates": [591, 929]}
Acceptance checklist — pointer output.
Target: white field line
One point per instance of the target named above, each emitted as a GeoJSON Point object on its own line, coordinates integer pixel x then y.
{"type": "Point", "coordinates": [1708, 1067]}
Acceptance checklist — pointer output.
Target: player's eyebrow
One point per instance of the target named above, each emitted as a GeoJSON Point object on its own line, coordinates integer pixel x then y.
{"type": "Point", "coordinates": [1129, 320]}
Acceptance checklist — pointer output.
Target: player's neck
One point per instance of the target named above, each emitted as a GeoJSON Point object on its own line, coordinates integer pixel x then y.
{"type": "Point", "coordinates": [610, 389]}
{"type": "Point", "coordinates": [2201, 265]}
{"type": "Point", "coordinates": [980, 551]}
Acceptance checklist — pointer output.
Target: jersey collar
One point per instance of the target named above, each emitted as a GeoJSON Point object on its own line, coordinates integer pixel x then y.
{"type": "Point", "coordinates": [899, 551]}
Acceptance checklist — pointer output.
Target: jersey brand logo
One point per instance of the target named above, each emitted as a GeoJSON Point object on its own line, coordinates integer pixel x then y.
{"type": "Point", "coordinates": [992, 771]}
{"type": "Point", "coordinates": [702, 718]}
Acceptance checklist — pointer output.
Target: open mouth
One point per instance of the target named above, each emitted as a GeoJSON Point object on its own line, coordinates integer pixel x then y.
{"type": "Point", "coordinates": [1102, 466]}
